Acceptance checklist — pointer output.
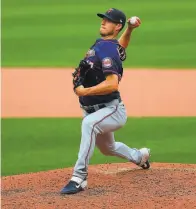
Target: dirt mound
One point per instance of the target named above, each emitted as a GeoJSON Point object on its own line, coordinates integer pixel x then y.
{"type": "Point", "coordinates": [110, 186]}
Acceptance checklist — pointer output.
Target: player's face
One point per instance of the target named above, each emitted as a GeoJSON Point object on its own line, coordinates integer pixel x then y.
{"type": "Point", "coordinates": [107, 27]}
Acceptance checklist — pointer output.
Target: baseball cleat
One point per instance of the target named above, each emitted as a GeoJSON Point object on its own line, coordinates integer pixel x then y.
{"type": "Point", "coordinates": [145, 158]}
{"type": "Point", "coordinates": [74, 186]}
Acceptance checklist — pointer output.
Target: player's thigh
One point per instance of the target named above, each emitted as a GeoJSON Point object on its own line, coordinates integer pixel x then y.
{"type": "Point", "coordinates": [105, 120]}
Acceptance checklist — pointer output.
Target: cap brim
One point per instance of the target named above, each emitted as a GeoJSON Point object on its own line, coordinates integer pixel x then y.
{"type": "Point", "coordinates": [104, 15]}
{"type": "Point", "coordinates": [100, 15]}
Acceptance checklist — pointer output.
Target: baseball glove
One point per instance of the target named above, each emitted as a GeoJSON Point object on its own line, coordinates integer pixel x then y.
{"type": "Point", "coordinates": [80, 73]}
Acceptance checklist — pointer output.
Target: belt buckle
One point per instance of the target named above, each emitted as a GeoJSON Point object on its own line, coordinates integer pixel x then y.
{"type": "Point", "coordinates": [89, 109]}
{"type": "Point", "coordinates": [101, 106]}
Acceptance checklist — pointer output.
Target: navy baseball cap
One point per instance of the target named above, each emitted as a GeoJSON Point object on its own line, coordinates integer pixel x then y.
{"type": "Point", "coordinates": [114, 15]}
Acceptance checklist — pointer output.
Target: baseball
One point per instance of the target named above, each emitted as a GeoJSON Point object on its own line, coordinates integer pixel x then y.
{"type": "Point", "coordinates": [133, 20]}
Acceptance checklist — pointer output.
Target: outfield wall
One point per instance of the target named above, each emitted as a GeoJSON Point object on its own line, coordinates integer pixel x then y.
{"type": "Point", "coordinates": [48, 93]}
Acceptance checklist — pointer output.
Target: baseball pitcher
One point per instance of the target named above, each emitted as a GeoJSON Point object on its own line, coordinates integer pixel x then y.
{"type": "Point", "coordinates": [96, 82]}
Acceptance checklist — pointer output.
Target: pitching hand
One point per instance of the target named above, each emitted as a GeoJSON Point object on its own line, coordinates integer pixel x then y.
{"type": "Point", "coordinates": [134, 22]}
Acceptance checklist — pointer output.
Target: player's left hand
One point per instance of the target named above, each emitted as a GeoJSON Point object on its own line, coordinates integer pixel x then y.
{"type": "Point", "coordinates": [80, 91]}
{"type": "Point", "coordinates": [133, 22]}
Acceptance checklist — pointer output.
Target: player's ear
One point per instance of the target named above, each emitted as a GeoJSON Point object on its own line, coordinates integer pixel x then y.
{"type": "Point", "coordinates": [118, 27]}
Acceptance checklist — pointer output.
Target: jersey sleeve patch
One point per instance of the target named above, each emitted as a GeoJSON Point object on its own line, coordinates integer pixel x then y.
{"type": "Point", "coordinates": [107, 62]}
{"type": "Point", "coordinates": [90, 53]}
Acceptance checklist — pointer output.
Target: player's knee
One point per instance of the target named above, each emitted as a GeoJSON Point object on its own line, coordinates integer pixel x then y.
{"type": "Point", "coordinates": [108, 152]}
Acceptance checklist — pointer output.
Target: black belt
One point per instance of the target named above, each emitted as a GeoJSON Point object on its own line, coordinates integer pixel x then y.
{"type": "Point", "coordinates": [94, 108]}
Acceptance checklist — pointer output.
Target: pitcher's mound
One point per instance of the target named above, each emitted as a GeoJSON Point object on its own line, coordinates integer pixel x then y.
{"type": "Point", "coordinates": [112, 186]}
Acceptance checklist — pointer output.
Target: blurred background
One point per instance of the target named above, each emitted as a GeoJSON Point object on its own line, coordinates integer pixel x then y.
{"type": "Point", "coordinates": [57, 34]}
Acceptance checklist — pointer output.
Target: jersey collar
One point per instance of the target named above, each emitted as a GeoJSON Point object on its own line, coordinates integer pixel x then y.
{"type": "Point", "coordinates": [110, 40]}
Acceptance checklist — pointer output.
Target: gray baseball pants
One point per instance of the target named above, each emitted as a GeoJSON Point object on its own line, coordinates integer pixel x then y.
{"type": "Point", "coordinates": [98, 130]}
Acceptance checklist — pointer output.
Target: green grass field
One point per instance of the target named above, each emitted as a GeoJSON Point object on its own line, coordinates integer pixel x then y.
{"type": "Point", "coordinates": [57, 33]}
{"type": "Point", "coordinates": [30, 145]}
